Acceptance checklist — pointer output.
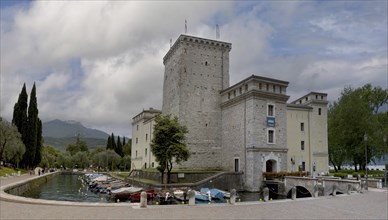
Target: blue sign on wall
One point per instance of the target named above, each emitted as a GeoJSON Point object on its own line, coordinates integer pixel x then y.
{"type": "Point", "coordinates": [271, 121]}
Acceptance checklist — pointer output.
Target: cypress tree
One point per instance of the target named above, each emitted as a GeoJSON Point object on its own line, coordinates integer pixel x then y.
{"type": "Point", "coordinates": [32, 137]}
{"type": "Point", "coordinates": [39, 144]}
{"type": "Point", "coordinates": [114, 146]}
{"type": "Point", "coordinates": [109, 143]}
{"type": "Point", "coordinates": [20, 114]}
{"type": "Point", "coordinates": [119, 149]}
{"type": "Point", "coordinates": [123, 140]}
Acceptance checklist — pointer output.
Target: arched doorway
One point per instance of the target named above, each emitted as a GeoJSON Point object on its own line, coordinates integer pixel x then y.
{"type": "Point", "coordinates": [270, 166]}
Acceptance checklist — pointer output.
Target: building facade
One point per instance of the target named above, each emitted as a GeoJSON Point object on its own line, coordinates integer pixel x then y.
{"type": "Point", "coordinates": [307, 134]}
{"type": "Point", "coordinates": [247, 127]}
{"type": "Point", "coordinates": [142, 131]}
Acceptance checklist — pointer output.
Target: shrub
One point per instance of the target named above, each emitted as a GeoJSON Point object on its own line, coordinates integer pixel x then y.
{"type": "Point", "coordinates": [342, 175]}
{"type": "Point", "coordinates": [281, 175]}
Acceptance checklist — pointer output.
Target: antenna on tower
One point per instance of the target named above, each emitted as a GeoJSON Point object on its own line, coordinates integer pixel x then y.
{"type": "Point", "coordinates": [217, 32]}
{"type": "Point", "coordinates": [170, 42]}
{"type": "Point", "coordinates": [185, 26]}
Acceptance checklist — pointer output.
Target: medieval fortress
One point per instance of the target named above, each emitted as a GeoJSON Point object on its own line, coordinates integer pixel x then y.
{"type": "Point", "coordinates": [248, 127]}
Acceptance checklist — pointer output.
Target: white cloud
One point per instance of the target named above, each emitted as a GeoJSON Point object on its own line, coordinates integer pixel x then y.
{"type": "Point", "coordinates": [101, 62]}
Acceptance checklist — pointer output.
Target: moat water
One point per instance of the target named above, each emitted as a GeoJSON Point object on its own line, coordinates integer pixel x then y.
{"type": "Point", "coordinates": [71, 188]}
{"type": "Point", "coordinates": [65, 188]}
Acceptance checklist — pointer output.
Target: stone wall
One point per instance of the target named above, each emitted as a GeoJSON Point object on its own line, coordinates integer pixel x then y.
{"type": "Point", "coordinates": [21, 188]}
{"type": "Point", "coordinates": [222, 180]}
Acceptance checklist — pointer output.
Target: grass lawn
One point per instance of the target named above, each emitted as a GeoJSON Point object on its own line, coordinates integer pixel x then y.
{"type": "Point", "coordinates": [7, 170]}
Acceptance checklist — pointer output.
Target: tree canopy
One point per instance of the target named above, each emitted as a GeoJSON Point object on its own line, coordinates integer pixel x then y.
{"type": "Point", "coordinates": [78, 146]}
{"type": "Point", "coordinates": [11, 144]}
{"type": "Point", "coordinates": [356, 113]}
{"type": "Point", "coordinates": [167, 144]}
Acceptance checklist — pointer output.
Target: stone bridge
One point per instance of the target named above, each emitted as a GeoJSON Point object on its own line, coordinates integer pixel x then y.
{"type": "Point", "coordinates": [321, 186]}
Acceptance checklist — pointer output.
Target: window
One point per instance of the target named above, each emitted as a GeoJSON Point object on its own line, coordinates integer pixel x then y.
{"type": "Point", "coordinates": [280, 90]}
{"type": "Point", "coordinates": [267, 87]}
{"type": "Point", "coordinates": [146, 151]}
{"type": "Point", "coordinates": [145, 165]}
{"type": "Point", "coordinates": [146, 137]}
{"type": "Point", "coordinates": [273, 88]}
{"type": "Point", "coordinates": [316, 97]}
{"type": "Point", "coordinates": [206, 63]}
{"type": "Point", "coordinates": [322, 97]}
{"type": "Point", "coordinates": [271, 136]}
{"type": "Point", "coordinates": [136, 153]}
{"type": "Point", "coordinates": [240, 90]}
{"type": "Point", "coordinates": [260, 86]}
{"type": "Point", "coordinates": [152, 165]}
{"type": "Point", "coordinates": [302, 145]}
{"type": "Point", "coordinates": [302, 126]}
{"type": "Point", "coordinates": [234, 93]}
{"type": "Point", "coordinates": [136, 141]}
{"type": "Point", "coordinates": [228, 95]}
{"type": "Point", "coordinates": [246, 87]}
{"type": "Point", "coordinates": [137, 127]}
{"type": "Point", "coordinates": [303, 166]}
{"type": "Point", "coordinates": [307, 98]}
{"type": "Point", "coordinates": [271, 110]}
{"type": "Point", "coordinates": [319, 111]}
{"type": "Point", "coordinates": [236, 165]}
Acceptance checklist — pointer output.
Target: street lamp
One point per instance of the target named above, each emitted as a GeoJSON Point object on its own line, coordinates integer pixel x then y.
{"type": "Point", "coordinates": [386, 166]}
{"type": "Point", "coordinates": [366, 161]}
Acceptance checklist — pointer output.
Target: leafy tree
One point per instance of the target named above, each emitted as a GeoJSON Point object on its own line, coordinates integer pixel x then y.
{"type": "Point", "coordinates": [11, 144]}
{"type": "Point", "coordinates": [168, 143]}
{"type": "Point", "coordinates": [96, 151]}
{"type": "Point", "coordinates": [107, 159]}
{"type": "Point", "coordinates": [125, 163]}
{"type": "Point", "coordinates": [81, 159]}
{"type": "Point", "coordinates": [78, 146]}
{"type": "Point", "coordinates": [51, 157]}
{"type": "Point", "coordinates": [113, 159]}
{"type": "Point", "coordinates": [100, 160]}
{"type": "Point", "coordinates": [354, 114]}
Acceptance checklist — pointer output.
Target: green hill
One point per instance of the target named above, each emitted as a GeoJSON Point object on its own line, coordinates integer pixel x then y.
{"type": "Point", "coordinates": [59, 134]}
{"type": "Point", "coordinates": [61, 143]}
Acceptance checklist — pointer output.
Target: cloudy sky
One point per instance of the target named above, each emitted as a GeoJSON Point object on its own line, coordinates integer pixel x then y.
{"type": "Point", "coordinates": [100, 63]}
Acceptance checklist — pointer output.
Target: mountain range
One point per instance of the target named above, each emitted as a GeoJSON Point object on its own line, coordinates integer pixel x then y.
{"type": "Point", "coordinates": [59, 134]}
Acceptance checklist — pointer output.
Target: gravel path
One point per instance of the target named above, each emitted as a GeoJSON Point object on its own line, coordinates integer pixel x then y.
{"type": "Point", "coordinates": [370, 205]}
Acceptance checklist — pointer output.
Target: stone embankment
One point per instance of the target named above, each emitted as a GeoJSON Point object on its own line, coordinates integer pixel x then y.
{"type": "Point", "coordinates": [372, 204]}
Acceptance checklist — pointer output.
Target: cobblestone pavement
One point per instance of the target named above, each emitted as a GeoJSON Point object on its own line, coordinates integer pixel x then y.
{"type": "Point", "coordinates": [370, 205]}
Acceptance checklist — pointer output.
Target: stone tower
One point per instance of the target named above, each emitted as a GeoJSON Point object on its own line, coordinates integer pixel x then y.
{"type": "Point", "coordinates": [196, 71]}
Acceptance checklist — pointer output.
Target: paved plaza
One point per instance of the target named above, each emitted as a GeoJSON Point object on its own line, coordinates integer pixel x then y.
{"type": "Point", "coordinates": [370, 205]}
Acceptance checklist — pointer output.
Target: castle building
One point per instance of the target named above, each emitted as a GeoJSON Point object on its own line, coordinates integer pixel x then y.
{"type": "Point", "coordinates": [247, 127]}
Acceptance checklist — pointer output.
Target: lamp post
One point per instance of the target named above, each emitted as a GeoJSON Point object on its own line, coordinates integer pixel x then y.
{"type": "Point", "coordinates": [386, 166]}
{"type": "Point", "coordinates": [366, 161]}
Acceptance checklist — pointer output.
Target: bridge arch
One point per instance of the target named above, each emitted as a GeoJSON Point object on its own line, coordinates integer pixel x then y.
{"type": "Point", "coordinates": [301, 192]}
